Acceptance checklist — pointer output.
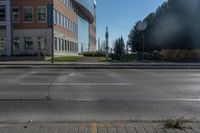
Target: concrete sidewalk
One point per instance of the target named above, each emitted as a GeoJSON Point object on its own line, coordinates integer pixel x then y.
{"type": "Point", "coordinates": [94, 65]}
{"type": "Point", "coordinates": [97, 63]}
{"type": "Point", "coordinates": [115, 127]}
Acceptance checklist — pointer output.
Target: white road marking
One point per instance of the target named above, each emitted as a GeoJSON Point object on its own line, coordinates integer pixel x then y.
{"type": "Point", "coordinates": [17, 78]}
{"type": "Point", "coordinates": [151, 100]}
{"type": "Point", "coordinates": [78, 84]}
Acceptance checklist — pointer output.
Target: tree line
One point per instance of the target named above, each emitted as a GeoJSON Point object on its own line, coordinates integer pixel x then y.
{"type": "Point", "coordinates": [174, 25]}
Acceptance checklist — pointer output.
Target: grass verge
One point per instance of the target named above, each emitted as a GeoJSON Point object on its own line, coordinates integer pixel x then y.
{"type": "Point", "coordinates": [103, 59]}
{"type": "Point", "coordinates": [67, 58]}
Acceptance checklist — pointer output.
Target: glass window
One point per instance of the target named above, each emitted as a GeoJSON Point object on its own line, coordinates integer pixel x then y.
{"type": "Point", "coordinates": [83, 39]}
{"type": "Point", "coordinates": [16, 14]}
{"type": "Point", "coordinates": [2, 43]}
{"type": "Point", "coordinates": [41, 43]}
{"type": "Point", "coordinates": [63, 45]}
{"type": "Point", "coordinates": [28, 43]}
{"type": "Point", "coordinates": [59, 43]}
{"type": "Point", "coordinates": [58, 18]}
{"type": "Point", "coordinates": [71, 49]}
{"type": "Point", "coordinates": [64, 22]}
{"type": "Point", "coordinates": [68, 46]}
{"type": "Point", "coordinates": [55, 16]}
{"type": "Point", "coordinates": [15, 43]}
{"type": "Point", "coordinates": [2, 13]}
{"type": "Point", "coordinates": [28, 14]}
{"type": "Point", "coordinates": [42, 14]}
{"type": "Point", "coordinates": [55, 43]}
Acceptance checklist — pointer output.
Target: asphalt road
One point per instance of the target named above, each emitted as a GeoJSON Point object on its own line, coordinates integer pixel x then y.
{"type": "Point", "coordinates": [98, 95]}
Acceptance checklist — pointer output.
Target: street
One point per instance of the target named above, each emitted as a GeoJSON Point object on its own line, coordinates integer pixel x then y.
{"type": "Point", "coordinates": [61, 95]}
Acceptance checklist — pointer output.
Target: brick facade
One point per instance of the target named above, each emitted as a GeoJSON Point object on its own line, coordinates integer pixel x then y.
{"type": "Point", "coordinates": [31, 36]}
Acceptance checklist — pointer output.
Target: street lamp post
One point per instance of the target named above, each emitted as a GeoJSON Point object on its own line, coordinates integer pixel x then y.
{"type": "Point", "coordinates": [143, 46]}
{"type": "Point", "coordinates": [51, 24]}
{"type": "Point", "coordinates": [107, 46]}
{"type": "Point", "coordinates": [52, 54]}
{"type": "Point", "coordinates": [141, 26]}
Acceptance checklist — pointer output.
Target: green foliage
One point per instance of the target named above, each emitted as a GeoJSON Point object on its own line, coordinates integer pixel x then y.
{"type": "Point", "coordinates": [119, 48]}
{"type": "Point", "coordinates": [179, 54]}
{"type": "Point", "coordinates": [168, 28]}
{"type": "Point", "coordinates": [67, 58]}
{"type": "Point", "coordinates": [104, 59]}
{"type": "Point", "coordinates": [175, 124]}
{"type": "Point", "coordinates": [128, 58]}
{"type": "Point", "coordinates": [94, 54]}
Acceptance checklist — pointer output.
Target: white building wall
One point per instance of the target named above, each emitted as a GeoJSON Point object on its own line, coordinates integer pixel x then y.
{"type": "Point", "coordinates": [34, 34]}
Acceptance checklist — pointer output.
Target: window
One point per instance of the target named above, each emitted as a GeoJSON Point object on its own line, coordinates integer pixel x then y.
{"type": "Point", "coordinates": [74, 27]}
{"type": "Point", "coordinates": [42, 43]}
{"type": "Point", "coordinates": [73, 47]}
{"type": "Point", "coordinates": [76, 47]}
{"type": "Point", "coordinates": [2, 13]}
{"type": "Point", "coordinates": [59, 43]}
{"type": "Point", "coordinates": [15, 43]}
{"type": "Point", "coordinates": [64, 21]}
{"type": "Point", "coordinates": [28, 43]}
{"type": "Point", "coordinates": [67, 23]}
{"type": "Point", "coordinates": [58, 18]}
{"type": "Point", "coordinates": [55, 43]}
{"type": "Point", "coordinates": [28, 14]}
{"type": "Point", "coordinates": [55, 16]}
{"type": "Point", "coordinates": [2, 43]}
{"type": "Point", "coordinates": [70, 43]}
{"type": "Point", "coordinates": [15, 14]}
{"type": "Point", "coordinates": [68, 46]}
{"type": "Point", "coordinates": [63, 45]}
{"type": "Point", "coordinates": [42, 14]}
{"type": "Point", "coordinates": [70, 25]}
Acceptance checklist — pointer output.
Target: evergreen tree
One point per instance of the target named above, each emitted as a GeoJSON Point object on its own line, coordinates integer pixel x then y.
{"type": "Point", "coordinates": [119, 48]}
{"type": "Point", "coordinates": [174, 25]}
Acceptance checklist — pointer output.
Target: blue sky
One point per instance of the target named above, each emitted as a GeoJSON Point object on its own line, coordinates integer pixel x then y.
{"type": "Point", "coordinates": [120, 16]}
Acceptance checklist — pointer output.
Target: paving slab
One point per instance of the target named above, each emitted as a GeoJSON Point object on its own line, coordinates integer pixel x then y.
{"type": "Point", "coordinates": [107, 127]}
{"type": "Point", "coordinates": [121, 130]}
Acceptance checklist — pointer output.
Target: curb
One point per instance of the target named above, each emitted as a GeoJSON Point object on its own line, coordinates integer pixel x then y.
{"type": "Point", "coordinates": [99, 66]}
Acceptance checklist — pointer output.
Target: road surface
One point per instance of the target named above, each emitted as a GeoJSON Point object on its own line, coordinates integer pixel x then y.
{"type": "Point", "coordinates": [59, 95]}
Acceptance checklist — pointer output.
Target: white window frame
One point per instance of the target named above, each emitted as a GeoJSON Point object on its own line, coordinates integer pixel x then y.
{"type": "Point", "coordinates": [30, 39]}
{"type": "Point", "coordinates": [39, 21]}
{"type": "Point", "coordinates": [14, 7]}
{"type": "Point", "coordinates": [28, 7]}
{"type": "Point", "coordinates": [4, 19]}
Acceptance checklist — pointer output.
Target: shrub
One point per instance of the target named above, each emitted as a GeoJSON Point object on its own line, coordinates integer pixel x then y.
{"type": "Point", "coordinates": [179, 55]}
{"type": "Point", "coordinates": [128, 57]}
{"type": "Point", "coordinates": [175, 124]}
{"type": "Point", "coordinates": [94, 54]}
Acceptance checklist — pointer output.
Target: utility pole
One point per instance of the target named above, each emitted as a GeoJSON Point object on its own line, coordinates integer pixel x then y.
{"type": "Point", "coordinates": [9, 33]}
{"type": "Point", "coordinates": [99, 44]}
{"type": "Point", "coordinates": [127, 48]}
{"type": "Point", "coordinates": [51, 24]}
{"type": "Point", "coordinates": [142, 25]}
{"type": "Point", "coordinates": [107, 45]}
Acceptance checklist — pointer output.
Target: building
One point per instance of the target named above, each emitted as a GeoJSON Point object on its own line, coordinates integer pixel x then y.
{"type": "Point", "coordinates": [32, 27]}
